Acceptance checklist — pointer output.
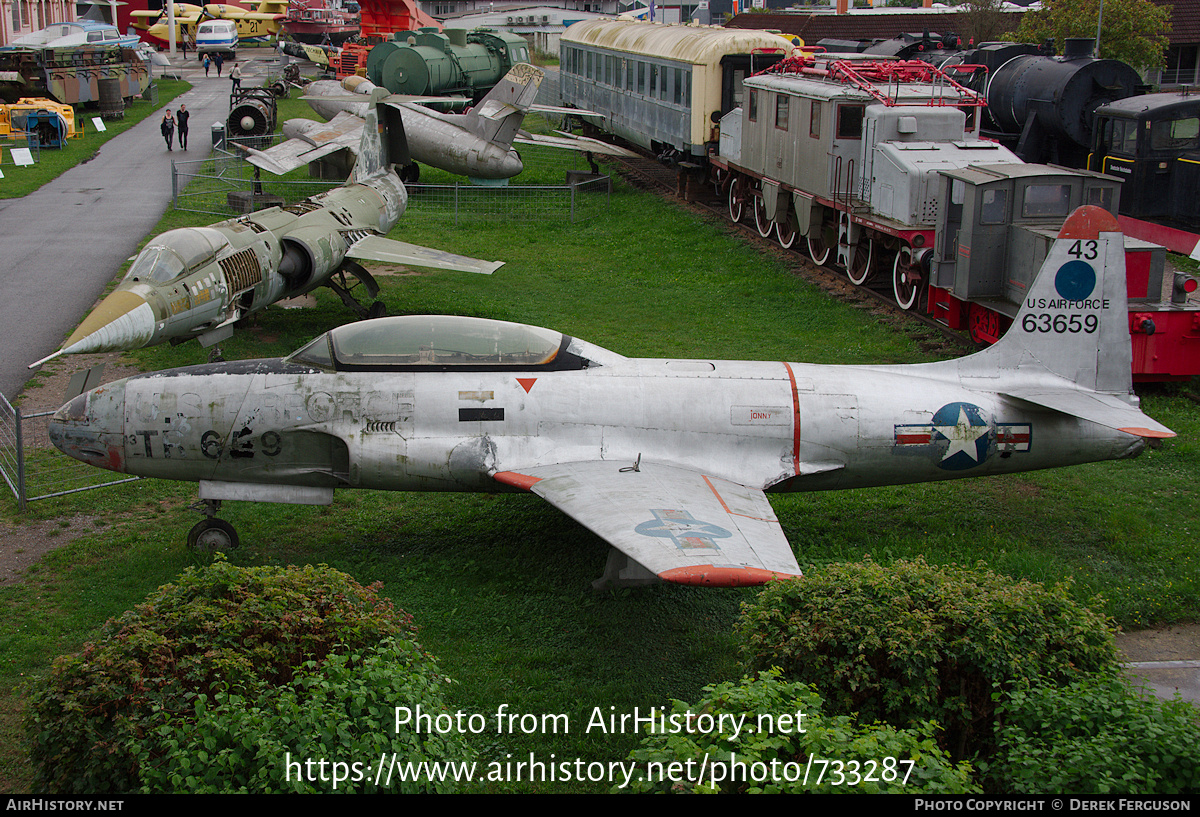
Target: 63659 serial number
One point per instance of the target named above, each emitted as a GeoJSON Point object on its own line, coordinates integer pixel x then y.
{"type": "Point", "coordinates": [1070, 323]}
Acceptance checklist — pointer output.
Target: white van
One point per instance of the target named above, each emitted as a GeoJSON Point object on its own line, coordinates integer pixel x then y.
{"type": "Point", "coordinates": [217, 37]}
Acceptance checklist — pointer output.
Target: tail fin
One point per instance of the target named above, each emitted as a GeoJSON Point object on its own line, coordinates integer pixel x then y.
{"type": "Point", "coordinates": [383, 141]}
{"type": "Point", "coordinates": [499, 115]}
{"type": "Point", "coordinates": [1069, 348]}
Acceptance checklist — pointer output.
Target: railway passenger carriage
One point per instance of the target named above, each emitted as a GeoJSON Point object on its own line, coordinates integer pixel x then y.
{"type": "Point", "coordinates": [662, 87]}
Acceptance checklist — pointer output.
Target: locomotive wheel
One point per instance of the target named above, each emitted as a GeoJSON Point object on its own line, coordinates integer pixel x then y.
{"type": "Point", "coordinates": [765, 225]}
{"type": "Point", "coordinates": [786, 232]}
{"type": "Point", "coordinates": [736, 205]}
{"type": "Point", "coordinates": [907, 281]}
{"type": "Point", "coordinates": [860, 263]}
{"type": "Point", "coordinates": [819, 246]}
{"type": "Point", "coordinates": [983, 325]}
{"type": "Point", "coordinates": [212, 535]}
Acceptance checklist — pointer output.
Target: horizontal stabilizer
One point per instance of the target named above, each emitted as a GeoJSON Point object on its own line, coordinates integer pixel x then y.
{"type": "Point", "coordinates": [389, 251]}
{"type": "Point", "coordinates": [1103, 409]}
{"type": "Point", "coordinates": [569, 142]}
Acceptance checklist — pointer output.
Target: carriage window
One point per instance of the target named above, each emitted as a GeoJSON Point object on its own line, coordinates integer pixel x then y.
{"type": "Point", "coordinates": [814, 121]}
{"type": "Point", "coordinates": [1101, 197]}
{"type": "Point", "coordinates": [1175, 134]}
{"type": "Point", "coordinates": [1043, 200]}
{"type": "Point", "coordinates": [781, 112]}
{"type": "Point", "coordinates": [993, 207]}
{"type": "Point", "coordinates": [678, 97]}
{"type": "Point", "coordinates": [850, 121]}
{"type": "Point", "coordinates": [641, 78]}
{"type": "Point", "coordinates": [753, 105]}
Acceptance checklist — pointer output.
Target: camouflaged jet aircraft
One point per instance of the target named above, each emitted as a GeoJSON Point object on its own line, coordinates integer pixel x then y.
{"type": "Point", "coordinates": [670, 461]}
{"type": "Point", "coordinates": [477, 144]}
{"type": "Point", "coordinates": [196, 282]}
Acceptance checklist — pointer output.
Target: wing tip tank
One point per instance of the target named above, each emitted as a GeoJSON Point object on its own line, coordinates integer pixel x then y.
{"type": "Point", "coordinates": [714, 576]}
{"type": "Point", "coordinates": [1088, 222]}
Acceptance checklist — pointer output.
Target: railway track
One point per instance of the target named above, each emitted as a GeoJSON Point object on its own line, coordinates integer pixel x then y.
{"type": "Point", "coordinates": [647, 173]}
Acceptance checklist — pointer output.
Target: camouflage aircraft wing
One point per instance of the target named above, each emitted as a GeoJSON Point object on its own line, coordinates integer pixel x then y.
{"type": "Point", "coordinates": [389, 251]}
{"type": "Point", "coordinates": [683, 526]}
{"type": "Point", "coordinates": [343, 132]}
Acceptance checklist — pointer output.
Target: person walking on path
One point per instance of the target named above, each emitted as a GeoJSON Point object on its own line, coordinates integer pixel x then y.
{"type": "Point", "coordinates": [236, 76]}
{"type": "Point", "coordinates": [207, 63]}
{"type": "Point", "coordinates": [181, 121]}
{"type": "Point", "coordinates": [219, 60]}
{"type": "Point", "coordinates": [168, 128]}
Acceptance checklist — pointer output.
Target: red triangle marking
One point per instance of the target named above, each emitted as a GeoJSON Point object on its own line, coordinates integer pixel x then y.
{"type": "Point", "coordinates": [527, 383]}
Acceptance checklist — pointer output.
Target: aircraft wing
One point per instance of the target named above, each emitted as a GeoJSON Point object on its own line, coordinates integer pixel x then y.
{"type": "Point", "coordinates": [571, 142]}
{"type": "Point", "coordinates": [389, 251]}
{"type": "Point", "coordinates": [1095, 407]}
{"type": "Point", "coordinates": [343, 132]}
{"type": "Point", "coordinates": [683, 526]}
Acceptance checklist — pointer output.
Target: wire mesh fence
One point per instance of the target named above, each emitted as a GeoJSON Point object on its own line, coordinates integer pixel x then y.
{"type": "Point", "coordinates": [555, 185]}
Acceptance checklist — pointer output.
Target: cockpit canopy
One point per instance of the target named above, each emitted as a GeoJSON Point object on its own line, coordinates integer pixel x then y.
{"type": "Point", "coordinates": [174, 253]}
{"type": "Point", "coordinates": [439, 343]}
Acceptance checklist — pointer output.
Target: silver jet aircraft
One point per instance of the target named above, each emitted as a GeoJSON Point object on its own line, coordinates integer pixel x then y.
{"type": "Point", "coordinates": [670, 461]}
{"type": "Point", "coordinates": [477, 144]}
{"type": "Point", "coordinates": [195, 282]}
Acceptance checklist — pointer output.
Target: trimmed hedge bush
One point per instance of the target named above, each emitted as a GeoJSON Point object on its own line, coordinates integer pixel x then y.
{"type": "Point", "coordinates": [1096, 736]}
{"type": "Point", "coordinates": [776, 752]}
{"type": "Point", "coordinates": [220, 637]}
{"type": "Point", "coordinates": [912, 642]}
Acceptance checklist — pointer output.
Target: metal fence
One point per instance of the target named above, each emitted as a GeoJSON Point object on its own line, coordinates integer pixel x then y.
{"type": "Point", "coordinates": [32, 468]}
{"type": "Point", "coordinates": [216, 184]}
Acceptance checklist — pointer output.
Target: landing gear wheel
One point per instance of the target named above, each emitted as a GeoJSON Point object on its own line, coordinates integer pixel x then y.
{"type": "Point", "coordinates": [907, 281]}
{"type": "Point", "coordinates": [410, 173]}
{"type": "Point", "coordinates": [786, 232]}
{"type": "Point", "coordinates": [212, 536]}
{"type": "Point", "coordinates": [377, 310]}
{"type": "Point", "coordinates": [764, 224]}
{"type": "Point", "coordinates": [860, 262]}
{"type": "Point", "coordinates": [983, 325]}
{"type": "Point", "coordinates": [352, 280]}
{"type": "Point", "coordinates": [736, 204]}
{"type": "Point", "coordinates": [819, 246]}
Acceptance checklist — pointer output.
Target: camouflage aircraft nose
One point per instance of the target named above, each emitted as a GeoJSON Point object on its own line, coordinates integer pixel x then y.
{"type": "Point", "coordinates": [91, 427]}
{"type": "Point", "coordinates": [123, 320]}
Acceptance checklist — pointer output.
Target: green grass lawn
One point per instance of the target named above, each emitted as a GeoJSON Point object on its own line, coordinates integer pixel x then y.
{"type": "Point", "coordinates": [500, 584]}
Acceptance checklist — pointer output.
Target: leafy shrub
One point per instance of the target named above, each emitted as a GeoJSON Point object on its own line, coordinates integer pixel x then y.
{"type": "Point", "coordinates": [220, 630]}
{"type": "Point", "coordinates": [1096, 736]}
{"type": "Point", "coordinates": [776, 752]}
{"type": "Point", "coordinates": [910, 642]}
{"type": "Point", "coordinates": [327, 731]}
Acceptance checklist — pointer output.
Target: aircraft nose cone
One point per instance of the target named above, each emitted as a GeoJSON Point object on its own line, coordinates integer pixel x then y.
{"type": "Point", "coordinates": [90, 427]}
{"type": "Point", "coordinates": [123, 320]}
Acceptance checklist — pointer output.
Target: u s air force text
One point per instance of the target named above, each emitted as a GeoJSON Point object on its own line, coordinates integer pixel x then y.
{"type": "Point", "coordinates": [601, 721]}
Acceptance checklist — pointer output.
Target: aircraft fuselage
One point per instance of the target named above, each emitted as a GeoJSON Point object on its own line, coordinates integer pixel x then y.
{"type": "Point", "coordinates": [773, 426]}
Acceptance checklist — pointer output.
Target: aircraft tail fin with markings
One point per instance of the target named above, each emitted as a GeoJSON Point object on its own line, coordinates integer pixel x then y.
{"type": "Point", "coordinates": [383, 141]}
{"type": "Point", "coordinates": [1068, 348]}
{"type": "Point", "coordinates": [498, 116]}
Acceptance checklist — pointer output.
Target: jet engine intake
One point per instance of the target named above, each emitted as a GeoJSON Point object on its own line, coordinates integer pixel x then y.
{"type": "Point", "coordinates": [310, 256]}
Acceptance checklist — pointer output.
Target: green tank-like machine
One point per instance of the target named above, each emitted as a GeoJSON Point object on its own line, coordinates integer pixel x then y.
{"type": "Point", "coordinates": [433, 63]}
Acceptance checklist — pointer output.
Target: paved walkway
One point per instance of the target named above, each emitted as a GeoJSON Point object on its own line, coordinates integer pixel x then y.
{"type": "Point", "coordinates": [65, 242]}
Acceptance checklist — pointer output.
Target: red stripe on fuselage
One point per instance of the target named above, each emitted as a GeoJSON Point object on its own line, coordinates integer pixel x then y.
{"type": "Point", "coordinates": [795, 420]}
